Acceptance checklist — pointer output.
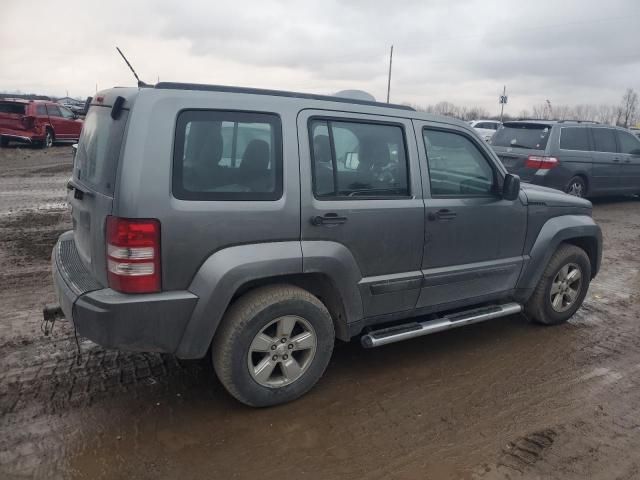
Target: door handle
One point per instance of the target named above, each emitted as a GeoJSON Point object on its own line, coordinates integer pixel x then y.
{"type": "Point", "coordinates": [627, 161]}
{"type": "Point", "coordinates": [328, 219]}
{"type": "Point", "coordinates": [443, 214]}
{"type": "Point", "coordinates": [616, 160]}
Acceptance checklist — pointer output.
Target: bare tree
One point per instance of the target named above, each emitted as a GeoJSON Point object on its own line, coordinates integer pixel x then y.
{"type": "Point", "coordinates": [628, 108]}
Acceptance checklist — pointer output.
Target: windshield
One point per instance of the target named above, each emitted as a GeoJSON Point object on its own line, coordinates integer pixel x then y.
{"type": "Point", "coordinates": [99, 148]}
{"type": "Point", "coordinates": [533, 136]}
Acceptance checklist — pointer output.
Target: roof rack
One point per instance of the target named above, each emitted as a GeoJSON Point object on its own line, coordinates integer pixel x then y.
{"type": "Point", "coordinates": [277, 93]}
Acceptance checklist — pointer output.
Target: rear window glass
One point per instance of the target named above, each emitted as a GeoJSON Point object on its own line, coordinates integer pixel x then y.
{"type": "Point", "coordinates": [8, 107]}
{"type": "Point", "coordinates": [574, 138]}
{"type": "Point", "coordinates": [604, 140]}
{"type": "Point", "coordinates": [227, 156]}
{"type": "Point", "coordinates": [99, 146]}
{"type": "Point", "coordinates": [532, 136]}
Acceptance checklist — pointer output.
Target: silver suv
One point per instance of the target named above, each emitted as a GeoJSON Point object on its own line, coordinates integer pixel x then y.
{"type": "Point", "coordinates": [259, 226]}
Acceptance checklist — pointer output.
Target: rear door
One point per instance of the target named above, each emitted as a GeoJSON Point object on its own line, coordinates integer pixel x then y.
{"type": "Point", "coordinates": [60, 128]}
{"type": "Point", "coordinates": [514, 142]}
{"type": "Point", "coordinates": [91, 188]}
{"type": "Point", "coordinates": [473, 237]}
{"type": "Point", "coordinates": [606, 171]}
{"type": "Point", "coordinates": [630, 161]}
{"type": "Point", "coordinates": [360, 187]}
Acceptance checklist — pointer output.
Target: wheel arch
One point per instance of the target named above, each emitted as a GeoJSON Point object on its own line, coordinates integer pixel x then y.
{"type": "Point", "coordinates": [232, 271]}
{"type": "Point", "coordinates": [578, 230]}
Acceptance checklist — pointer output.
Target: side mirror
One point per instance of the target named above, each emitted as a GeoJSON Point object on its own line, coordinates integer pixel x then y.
{"type": "Point", "coordinates": [635, 152]}
{"type": "Point", "coordinates": [511, 187]}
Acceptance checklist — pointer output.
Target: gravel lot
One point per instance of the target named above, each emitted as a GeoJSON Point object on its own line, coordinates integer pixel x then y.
{"type": "Point", "coordinates": [504, 399]}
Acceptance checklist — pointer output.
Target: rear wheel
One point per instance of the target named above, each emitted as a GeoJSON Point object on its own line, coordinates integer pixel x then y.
{"type": "Point", "coordinates": [48, 139]}
{"type": "Point", "coordinates": [273, 345]}
{"type": "Point", "coordinates": [562, 288]}
{"type": "Point", "coordinates": [577, 187]}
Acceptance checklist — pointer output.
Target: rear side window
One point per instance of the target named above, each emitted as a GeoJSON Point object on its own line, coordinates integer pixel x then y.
{"type": "Point", "coordinates": [353, 159]}
{"type": "Point", "coordinates": [54, 111]}
{"type": "Point", "coordinates": [10, 107]}
{"type": "Point", "coordinates": [99, 147]}
{"type": "Point", "coordinates": [574, 138]}
{"type": "Point", "coordinates": [628, 143]}
{"type": "Point", "coordinates": [456, 166]}
{"type": "Point", "coordinates": [227, 156]}
{"type": "Point", "coordinates": [604, 140]}
{"type": "Point", "coordinates": [532, 136]}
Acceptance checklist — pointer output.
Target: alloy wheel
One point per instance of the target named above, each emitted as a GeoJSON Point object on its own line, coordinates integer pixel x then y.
{"type": "Point", "coordinates": [282, 351]}
{"type": "Point", "coordinates": [565, 287]}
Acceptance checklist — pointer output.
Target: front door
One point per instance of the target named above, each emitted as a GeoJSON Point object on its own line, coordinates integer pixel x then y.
{"type": "Point", "coordinates": [361, 197]}
{"type": "Point", "coordinates": [630, 161]}
{"type": "Point", "coordinates": [606, 170]}
{"type": "Point", "coordinates": [473, 237]}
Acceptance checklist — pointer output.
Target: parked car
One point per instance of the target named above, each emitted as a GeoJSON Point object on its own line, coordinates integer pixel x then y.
{"type": "Point", "coordinates": [37, 122]}
{"type": "Point", "coordinates": [262, 225]}
{"type": "Point", "coordinates": [581, 158]}
{"type": "Point", "coordinates": [486, 128]}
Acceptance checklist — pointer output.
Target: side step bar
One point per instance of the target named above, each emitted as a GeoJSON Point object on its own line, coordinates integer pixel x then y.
{"type": "Point", "coordinates": [406, 331]}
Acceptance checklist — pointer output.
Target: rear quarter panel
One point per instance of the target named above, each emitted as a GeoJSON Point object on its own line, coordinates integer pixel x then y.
{"type": "Point", "coordinates": [191, 231]}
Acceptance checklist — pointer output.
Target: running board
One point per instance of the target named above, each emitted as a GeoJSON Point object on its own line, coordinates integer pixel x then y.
{"type": "Point", "coordinates": [406, 331]}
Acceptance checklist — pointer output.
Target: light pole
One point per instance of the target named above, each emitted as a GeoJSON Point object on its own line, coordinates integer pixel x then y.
{"type": "Point", "coordinates": [389, 78]}
{"type": "Point", "coordinates": [503, 102]}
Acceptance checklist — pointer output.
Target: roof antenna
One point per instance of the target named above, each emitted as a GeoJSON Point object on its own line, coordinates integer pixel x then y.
{"type": "Point", "coordinates": [140, 82]}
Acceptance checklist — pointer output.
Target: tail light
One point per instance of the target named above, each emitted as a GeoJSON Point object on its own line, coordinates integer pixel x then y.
{"type": "Point", "coordinates": [133, 255]}
{"type": "Point", "coordinates": [541, 163]}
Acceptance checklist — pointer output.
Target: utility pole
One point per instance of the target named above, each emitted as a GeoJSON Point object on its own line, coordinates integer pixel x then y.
{"type": "Point", "coordinates": [503, 101]}
{"type": "Point", "coordinates": [389, 79]}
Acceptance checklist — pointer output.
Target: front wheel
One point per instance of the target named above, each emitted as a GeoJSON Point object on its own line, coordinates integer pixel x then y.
{"type": "Point", "coordinates": [562, 288]}
{"type": "Point", "coordinates": [273, 345]}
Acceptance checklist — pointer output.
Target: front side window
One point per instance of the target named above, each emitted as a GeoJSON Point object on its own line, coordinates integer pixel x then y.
{"type": "Point", "coordinates": [66, 113]}
{"type": "Point", "coordinates": [604, 140]}
{"type": "Point", "coordinates": [41, 109]}
{"type": "Point", "coordinates": [574, 138]}
{"type": "Point", "coordinates": [456, 166]}
{"type": "Point", "coordinates": [352, 159]}
{"type": "Point", "coordinates": [628, 143]}
{"type": "Point", "coordinates": [227, 156]}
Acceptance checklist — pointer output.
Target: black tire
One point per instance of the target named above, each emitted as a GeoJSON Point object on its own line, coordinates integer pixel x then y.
{"type": "Point", "coordinates": [48, 139]}
{"type": "Point", "coordinates": [4, 142]}
{"type": "Point", "coordinates": [539, 307]}
{"type": "Point", "coordinates": [577, 186]}
{"type": "Point", "coordinates": [245, 319]}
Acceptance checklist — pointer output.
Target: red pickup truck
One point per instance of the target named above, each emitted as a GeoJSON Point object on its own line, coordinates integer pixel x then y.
{"type": "Point", "coordinates": [38, 122]}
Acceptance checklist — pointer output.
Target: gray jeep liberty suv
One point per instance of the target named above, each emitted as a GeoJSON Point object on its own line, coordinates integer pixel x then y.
{"type": "Point", "coordinates": [261, 225]}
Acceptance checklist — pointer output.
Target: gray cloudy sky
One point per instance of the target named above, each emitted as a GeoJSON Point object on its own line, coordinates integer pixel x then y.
{"type": "Point", "coordinates": [569, 51]}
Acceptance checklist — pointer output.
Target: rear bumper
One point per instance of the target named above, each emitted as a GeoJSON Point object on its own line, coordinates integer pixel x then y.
{"type": "Point", "coordinates": [144, 322]}
{"type": "Point", "coordinates": [25, 136]}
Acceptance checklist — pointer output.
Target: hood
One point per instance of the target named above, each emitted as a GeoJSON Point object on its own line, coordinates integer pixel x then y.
{"type": "Point", "coordinates": [552, 198]}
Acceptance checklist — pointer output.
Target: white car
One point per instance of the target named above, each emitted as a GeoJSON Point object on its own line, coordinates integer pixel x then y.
{"type": "Point", "coordinates": [486, 128]}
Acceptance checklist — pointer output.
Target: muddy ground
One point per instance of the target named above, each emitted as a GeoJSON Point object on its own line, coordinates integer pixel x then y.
{"type": "Point", "coordinates": [505, 399]}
